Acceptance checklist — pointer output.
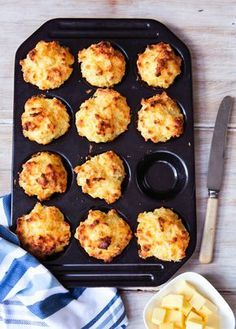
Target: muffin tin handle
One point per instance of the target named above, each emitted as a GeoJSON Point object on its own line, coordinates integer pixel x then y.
{"type": "Point", "coordinates": [100, 280]}
{"type": "Point", "coordinates": [110, 28]}
{"type": "Point", "coordinates": [132, 276]}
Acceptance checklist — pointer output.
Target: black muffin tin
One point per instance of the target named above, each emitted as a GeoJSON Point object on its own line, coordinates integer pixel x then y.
{"type": "Point", "coordinates": [158, 175]}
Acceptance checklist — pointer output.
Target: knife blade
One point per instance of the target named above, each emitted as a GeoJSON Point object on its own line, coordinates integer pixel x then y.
{"type": "Point", "coordinates": [216, 159]}
{"type": "Point", "coordinates": [215, 178]}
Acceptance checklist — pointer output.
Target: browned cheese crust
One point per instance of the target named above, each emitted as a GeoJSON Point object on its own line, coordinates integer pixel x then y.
{"type": "Point", "coordinates": [48, 65]}
{"type": "Point", "coordinates": [103, 235]}
{"type": "Point", "coordinates": [160, 118]}
{"type": "Point", "coordinates": [102, 65]}
{"type": "Point", "coordinates": [158, 65]}
{"type": "Point", "coordinates": [43, 175]}
{"type": "Point", "coordinates": [162, 234]}
{"type": "Point", "coordinates": [44, 119]}
{"type": "Point", "coordinates": [103, 117]}
{"type": "Point", "coordinates": [102, 176]}
{"type": "Point", "coordinates": [44, 231]}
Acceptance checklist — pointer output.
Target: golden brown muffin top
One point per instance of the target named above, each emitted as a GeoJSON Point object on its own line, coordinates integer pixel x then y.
{"type": "Point", "coordinates": [103, 117]}
{"type": "Point", "coordinates": [158, 65]}
{"type": "Point", "coordinates": [102, 176]}
{"type": "Point", "coordinates": [44, 231]}
{"type": "Point", "coordinates": [44, 119]}
{"type": "Point", "coordinates": [103, 235]}
{"type": "Point", "coordinates": [162, 234]}
{"type": "Point", "coordinates": [48, 65]}
{"type": "Point", "coordinates": [102, 65]}
{"type": "Point", "coordinates": [160, 118]}
{"type": "Point", "coordinates": [43, 175]}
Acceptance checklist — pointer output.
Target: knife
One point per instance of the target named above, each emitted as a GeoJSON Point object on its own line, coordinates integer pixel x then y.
{"type": "Point", "coordinates": [215, 178]}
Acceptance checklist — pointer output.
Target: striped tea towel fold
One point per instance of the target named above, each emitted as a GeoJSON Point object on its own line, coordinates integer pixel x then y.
{"type": "Point", "coordinates": [32, 298]}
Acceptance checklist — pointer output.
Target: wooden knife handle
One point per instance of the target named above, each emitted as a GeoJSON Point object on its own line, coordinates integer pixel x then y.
{"type": "Point", "coordinates": [208, 238]}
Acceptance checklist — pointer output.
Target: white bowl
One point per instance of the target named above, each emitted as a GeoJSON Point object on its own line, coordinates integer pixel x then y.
{"type": "Point", "coordinates": [227, 319]}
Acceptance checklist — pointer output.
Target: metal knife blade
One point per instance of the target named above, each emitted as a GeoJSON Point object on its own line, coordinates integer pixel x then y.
{"type": "Point", "coordinates": [216, 160]}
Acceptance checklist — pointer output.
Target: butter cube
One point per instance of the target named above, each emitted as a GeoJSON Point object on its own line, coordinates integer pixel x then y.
{"type": "Point", "coordinates": [158, 315]}
{"type": "Point", "coordinates": [167, 326]}
{"type": "Point", "coordinates": [197, 301]}
{"type": "Point", "coordinates": [205, 312]}
{"type": "Point", "coordinates": [208, 308]}
{"type": "Point", "coordinates": [175, 316]}
{"type": "Point", "coordinates": [186, 289]}
{"type": "Point", "coordinates": [194, 316]}
{"type": "Point", "coordinates": [187, 307]}
{"type": "Point", "coordinates": [194, 324]}
{"type": "Point", "coordinates": [194, 321]}
{"type": "Point", "coordinates": [213, 321]}
{"type": "Point", "coordinates": [173, 301]}
{"type": "Point", "coordinates": [209, 312]}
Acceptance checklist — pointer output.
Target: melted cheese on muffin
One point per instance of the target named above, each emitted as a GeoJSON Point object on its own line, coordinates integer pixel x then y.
{"type": "Point", "coordinates": [102, 65]}
{"type": "Point", "coordinates": [44, 231]}
{"type": "Point", "coordinates": [48, 65]}
{"type": "Point", "coordinates": [103, 235]}
{"type": "Point", "coordinates": [158, 65]}
{"type": "Point", "coordinates": [102, 176]}
{"type": "Point", "coordinates": [43, 175]}
{"type": "Point", "coordinates": [103, 117]}
{"type": "Point", "coordinates": [162, 234]}
{"type": "Point", "coordinates": [160, 118]}
{"type": "Point", "coordinates": [44, 119]}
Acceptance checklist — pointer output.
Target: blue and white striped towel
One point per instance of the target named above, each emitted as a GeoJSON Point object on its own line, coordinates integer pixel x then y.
{"type": "Point", "coordinates": [31, 297]}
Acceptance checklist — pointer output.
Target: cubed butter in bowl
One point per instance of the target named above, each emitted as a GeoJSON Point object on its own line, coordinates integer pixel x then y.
{"type": "Point", "coordinates": [188, 302]}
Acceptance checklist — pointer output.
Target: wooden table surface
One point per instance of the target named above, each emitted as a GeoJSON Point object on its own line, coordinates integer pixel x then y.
{"type": "Point", "coordinates": [209, 29]}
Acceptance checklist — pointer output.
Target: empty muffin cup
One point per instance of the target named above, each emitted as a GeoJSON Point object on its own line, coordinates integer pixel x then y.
{"type": "Point", "coordinates": [161, 175]}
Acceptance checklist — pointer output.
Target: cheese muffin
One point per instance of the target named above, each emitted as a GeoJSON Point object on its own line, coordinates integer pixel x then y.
{"type": "Point", "coordinates": [160, 118]}
{"type": "Point", "coordinates": [44, 231]}
{"type": "Point", "coordinates": [43, 175]}
{"type": "Point", "coordinates": [158, 65]}
{"type": "Point", "coordinates": [44, 119]}
{"type": "Point", "coordinates": [48, 65]}
{"type": "Point", "coordinates": [103, 117]}
{"type": "Point", "coordinates": [162, 234]}
{"type": "Point", "coordinates": [103, 235]}
{"type": "Point", "coordinates": [102, 176]}
{"type": "Point", "coordinates": [102, 65]}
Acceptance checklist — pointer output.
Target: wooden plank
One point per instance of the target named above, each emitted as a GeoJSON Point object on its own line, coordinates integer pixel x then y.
{"type": "Point", "coordinates": [5, 150]}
